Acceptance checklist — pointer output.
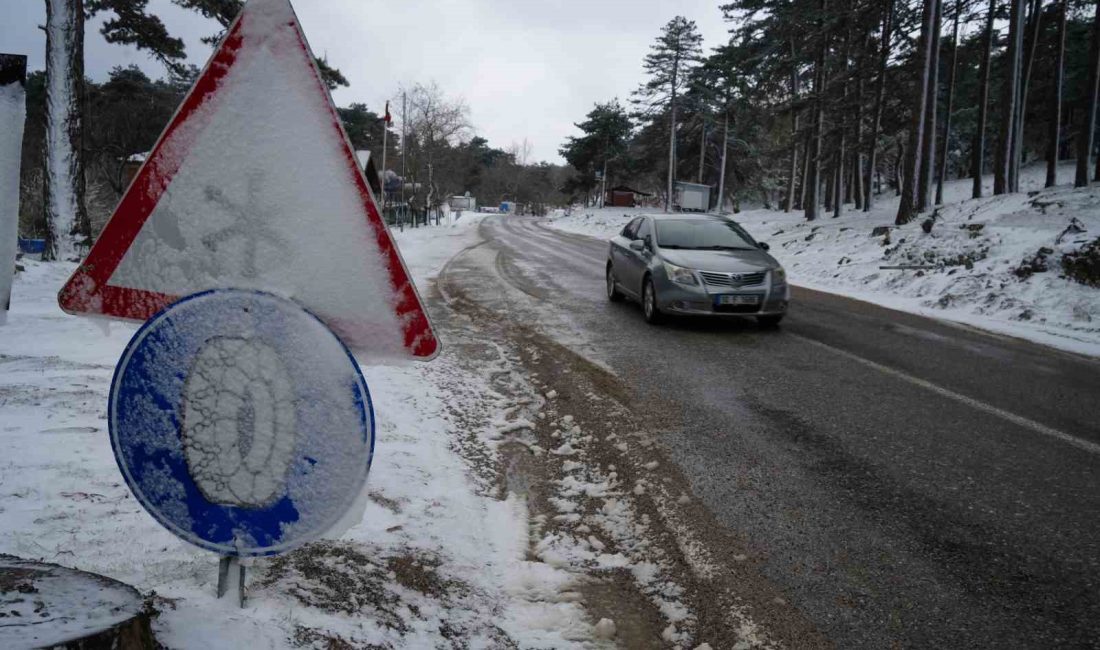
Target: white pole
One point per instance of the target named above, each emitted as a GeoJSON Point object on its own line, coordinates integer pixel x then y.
{"type": "Point", "coordinates": [382, 172]}
{"type": "Point", "coordinates": [13, 114]}
{"type": "Point", "coordinates": [722, 174]}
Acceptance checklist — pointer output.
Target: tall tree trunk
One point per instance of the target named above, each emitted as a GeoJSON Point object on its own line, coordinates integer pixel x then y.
{"type": "Point", "coordinates": [814, 181]}
{"type": "Point", "coordinates": [794, 130]}
{"type": "Point", "coordinates": [1006, 147]}
{"type": "Point", "coordinates": [880, 96]}
{"type": "Point", "coordinates": [1030, 46]}
{"type": "Point", "coordinates": [907, 208]}
{"type": "Point", "coordinates": [950, 104]}
{"type": "Point", "coordinates": [725, 148]}
{"type": "Point", "coordinates": [702, 151]}
{"type": "Point", "coordinates": [977, 148]}
{"type": "Point", "coordinates": [899, 168]}
{"type": "Point", "coordinates": [672, 136]}
{"type": "Point", "coordinates": [928, 153]}
{"type": "Point", "coordinates": [67, 225]}
{"type": "Point", "coordinates": [805, 169]}
{"type": "Point", "coordinates": [1084, 138]}
{"type": "Point", "coordinates": [855, 176]}
{"type": "Point", "coordinates": [1056, 99]}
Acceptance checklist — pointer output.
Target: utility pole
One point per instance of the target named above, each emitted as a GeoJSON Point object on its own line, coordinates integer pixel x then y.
{"type": "Point", "coordinates": [385, 133]}
{"type": "Point", "coordinates": [404, 143]}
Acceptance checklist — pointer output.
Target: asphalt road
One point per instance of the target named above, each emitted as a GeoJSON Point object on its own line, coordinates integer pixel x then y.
{"type": "Point", "coordinates": [907, 482]}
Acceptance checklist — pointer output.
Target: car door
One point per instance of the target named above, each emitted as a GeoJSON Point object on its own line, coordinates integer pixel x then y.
{"type": "Point", "coordinates": [637, 260]}
{"type": "Point", "coordinates": [622, 256]}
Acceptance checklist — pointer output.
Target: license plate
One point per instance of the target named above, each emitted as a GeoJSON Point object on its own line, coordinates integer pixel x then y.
{"type": "Point", "coordinates": [739, 300]}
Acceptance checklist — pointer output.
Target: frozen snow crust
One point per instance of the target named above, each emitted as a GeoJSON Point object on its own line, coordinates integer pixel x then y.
{"type": "Point", "coordinates": [241, 422]}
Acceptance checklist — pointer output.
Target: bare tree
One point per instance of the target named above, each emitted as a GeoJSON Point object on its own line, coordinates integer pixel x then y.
{"type": "Point", "coordinates": [435, 122]}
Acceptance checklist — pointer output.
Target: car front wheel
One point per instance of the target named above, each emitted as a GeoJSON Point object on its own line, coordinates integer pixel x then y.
{"type": "Point", "coordinates": [613, 293]}
{"type": "Point", "coordinates": [650, 309]}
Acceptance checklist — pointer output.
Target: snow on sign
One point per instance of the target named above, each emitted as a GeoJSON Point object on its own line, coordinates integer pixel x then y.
{"type": "Point", "coordinates": [241, 422]}
{"type": "Point", "coordinates": [253, 184]}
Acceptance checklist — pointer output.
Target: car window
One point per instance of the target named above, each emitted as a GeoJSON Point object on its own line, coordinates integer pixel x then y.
{"type": "Point", "coordinates": [703, 234]}
{"type": "Point", "coordinates": [631, 228]}
{"type": "Point", "coordinates": [644, 230]}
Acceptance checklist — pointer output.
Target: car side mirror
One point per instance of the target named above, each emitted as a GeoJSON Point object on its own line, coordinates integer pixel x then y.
{"type": "Point", "coordinates": [637, 245]}
{"type": "Point", "coordinates": [764, 246]}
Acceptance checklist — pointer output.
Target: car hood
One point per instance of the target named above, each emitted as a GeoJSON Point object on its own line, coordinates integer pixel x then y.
{"type": "Point", "coordinates": [722, 261]}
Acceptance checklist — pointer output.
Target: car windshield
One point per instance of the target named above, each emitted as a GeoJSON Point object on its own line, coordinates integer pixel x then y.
{"type": "Point", "coordinates": [702, 234]}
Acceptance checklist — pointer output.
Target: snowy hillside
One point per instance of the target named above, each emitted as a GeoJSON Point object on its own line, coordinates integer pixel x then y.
{"type": "Point", "coordinates": [993, 263]}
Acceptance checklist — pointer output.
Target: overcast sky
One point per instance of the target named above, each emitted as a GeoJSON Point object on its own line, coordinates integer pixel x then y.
{"type": "Point", "coordinates": [527, 68]}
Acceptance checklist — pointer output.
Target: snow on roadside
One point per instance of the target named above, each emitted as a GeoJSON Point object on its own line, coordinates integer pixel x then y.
{"type": "Point", "coordinates": [974, 250]}
{"type": "Point", "coordinates": [434, 560]}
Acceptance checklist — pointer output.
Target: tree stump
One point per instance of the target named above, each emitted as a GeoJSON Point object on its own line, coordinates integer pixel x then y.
{"type": "Point", "coordinates": [50, 606]}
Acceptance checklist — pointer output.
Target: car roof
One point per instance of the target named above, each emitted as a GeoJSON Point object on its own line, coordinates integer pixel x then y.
{"type": "Point", "coordinates": [689, 216]}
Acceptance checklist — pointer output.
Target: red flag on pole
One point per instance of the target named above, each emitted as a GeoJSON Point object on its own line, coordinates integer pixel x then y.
{"type": "Point", "coordinates": [388, 118]}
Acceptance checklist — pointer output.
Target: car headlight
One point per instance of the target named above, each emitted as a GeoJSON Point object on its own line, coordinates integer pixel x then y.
{"type": "Point", "coordinates": [679, 274]}
{"type": "Point", "coordinates": [779, 276]}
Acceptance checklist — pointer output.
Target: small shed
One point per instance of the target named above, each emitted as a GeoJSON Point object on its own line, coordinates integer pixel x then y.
{"type": "Point", "coordinates": [691, 197]}
{"type": "Point", "coordinates": [463, 203]}
{"type": "Point", "coordinates": [622, 196]}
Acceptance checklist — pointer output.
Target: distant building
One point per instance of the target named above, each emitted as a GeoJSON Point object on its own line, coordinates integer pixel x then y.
{"type": "Point", "coordinates": [622, 196]}
{"type": "Point", "coordinates": [691, 197]}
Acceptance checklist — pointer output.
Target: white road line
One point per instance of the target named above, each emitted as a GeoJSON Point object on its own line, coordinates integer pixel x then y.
{"type": "Point", "coordinates": [1090, 447]}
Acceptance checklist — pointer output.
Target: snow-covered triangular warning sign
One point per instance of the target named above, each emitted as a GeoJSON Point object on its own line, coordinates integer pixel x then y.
{"type": "Point", "coordinates": [253, 184]}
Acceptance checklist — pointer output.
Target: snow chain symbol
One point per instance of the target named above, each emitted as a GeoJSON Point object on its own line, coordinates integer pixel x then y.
{"type": "Point", "coordinates": [240, 426]}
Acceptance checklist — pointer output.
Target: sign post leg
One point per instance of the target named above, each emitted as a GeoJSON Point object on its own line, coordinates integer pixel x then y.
{"type": "Point", "coordinates": [231, 579]}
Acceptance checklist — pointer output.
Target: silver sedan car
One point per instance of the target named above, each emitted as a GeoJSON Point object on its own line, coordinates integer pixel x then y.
{"type": "Point", "coordinates": [695, 264]}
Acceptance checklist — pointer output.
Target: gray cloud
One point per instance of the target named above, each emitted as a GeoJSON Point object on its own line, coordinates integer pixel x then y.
{"type": "Point", "coordinates": [527, 69]}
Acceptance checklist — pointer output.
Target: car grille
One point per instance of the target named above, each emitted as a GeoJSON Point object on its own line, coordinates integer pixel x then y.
{"type": "Point", "coordinates": [735, 280]}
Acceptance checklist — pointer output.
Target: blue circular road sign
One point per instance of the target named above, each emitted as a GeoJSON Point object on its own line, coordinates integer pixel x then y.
{"type": "Point", "coordinates": [241, 422]}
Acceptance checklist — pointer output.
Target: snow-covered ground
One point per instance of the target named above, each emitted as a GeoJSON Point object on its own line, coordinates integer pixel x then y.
{"type": "Point", "coordinates": [975, 248]}
{"type": "Point", "coordinates": [437, 558]}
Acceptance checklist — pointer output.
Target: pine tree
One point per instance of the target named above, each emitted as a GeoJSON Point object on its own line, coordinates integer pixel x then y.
{"type": "Point", "coordinates": [668, 64]}
{"type": "Point", "coordinates": [880, 95]}
{"type": "Point", "coordinates": [607, 131]}
{"type": "Point", "coordinates": [977, 148]}
{"type": "Point", "coordinates": [950, 104]}
{"type": "Point", "coordinates": [1092, 88]}
{"type": "Point", "coordinates": [908, 207]}
{"type": "Point", "coordinates": [1056, 96]}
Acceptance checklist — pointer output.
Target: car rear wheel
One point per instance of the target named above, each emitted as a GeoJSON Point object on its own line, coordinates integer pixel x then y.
{"type": "Point", "coordinates": [613, 293]}
{"type": "Point", "coordinates": [650, 310]}
{"type": "Point", "coordinates": [769, 321]}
